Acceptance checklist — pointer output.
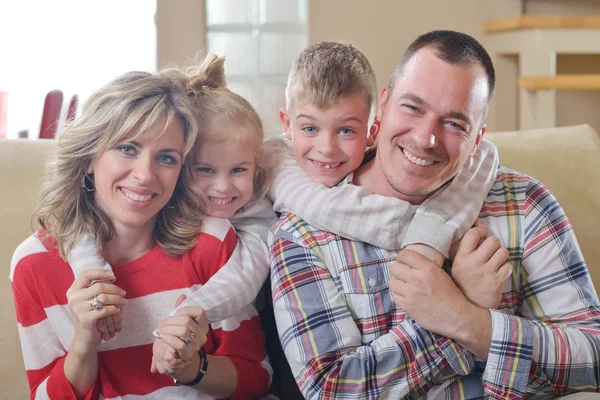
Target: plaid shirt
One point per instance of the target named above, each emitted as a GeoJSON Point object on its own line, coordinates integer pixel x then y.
{"type": "Point", "coordinates": [344, 338]}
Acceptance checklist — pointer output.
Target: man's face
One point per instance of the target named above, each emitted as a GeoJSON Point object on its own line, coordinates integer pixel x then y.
{"type": "Point", "coordinates": [431, 123]}
{"type": "Point", "coordinates": [330, 142]}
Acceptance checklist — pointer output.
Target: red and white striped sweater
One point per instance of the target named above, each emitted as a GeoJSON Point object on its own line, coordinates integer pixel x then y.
{"type": "Point", "coordinates": [40, 279]}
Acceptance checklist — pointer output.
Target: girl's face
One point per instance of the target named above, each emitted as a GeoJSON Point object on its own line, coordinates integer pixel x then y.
{"type": "Point", "coordinates": [136, 178]}
{"type": "Point", "coordinates": [225, 172]}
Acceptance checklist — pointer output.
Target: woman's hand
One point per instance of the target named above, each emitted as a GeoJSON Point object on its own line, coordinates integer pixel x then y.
{"type": "Point", "coordinates": [85, 318]}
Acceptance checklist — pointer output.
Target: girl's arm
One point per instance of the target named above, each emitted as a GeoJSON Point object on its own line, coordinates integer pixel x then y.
{"type": "Point", "coordinates": [237, 283]}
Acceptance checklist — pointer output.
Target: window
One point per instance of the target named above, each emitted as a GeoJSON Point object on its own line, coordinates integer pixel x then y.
{"type": "Point", "coordinates": [71, 45]}
{"type": "Point", "coordinates": [260, 40]}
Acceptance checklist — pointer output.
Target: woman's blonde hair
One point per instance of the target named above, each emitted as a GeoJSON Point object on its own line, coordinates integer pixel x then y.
{"type": "Point", "coordinates": [133, 102]}
{"type": "Point", "coordinates": [218, 106]}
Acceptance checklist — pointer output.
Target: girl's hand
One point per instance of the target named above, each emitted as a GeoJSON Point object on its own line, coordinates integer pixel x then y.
{"type": "Point", "coordinates": [85, 318]}
{"type": "Point", "coordinates": [186, 331]}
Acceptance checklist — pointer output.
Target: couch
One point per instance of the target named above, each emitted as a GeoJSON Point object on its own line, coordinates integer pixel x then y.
{"type": "Point", "coordinates": [566, 159]}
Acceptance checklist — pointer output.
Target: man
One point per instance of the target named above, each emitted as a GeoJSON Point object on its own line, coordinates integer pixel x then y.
{"type": "Point", "coordinates": [346, 336]}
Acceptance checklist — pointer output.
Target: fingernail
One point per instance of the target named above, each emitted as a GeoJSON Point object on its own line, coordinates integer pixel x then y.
{"type": "Point", "coordinates": [110, 273]}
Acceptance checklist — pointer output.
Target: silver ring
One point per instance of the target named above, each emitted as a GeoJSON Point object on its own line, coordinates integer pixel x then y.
{"type": "Point", "coordinates": [189, 339]}
{"type": "Point", "coordinates": [95, 303]}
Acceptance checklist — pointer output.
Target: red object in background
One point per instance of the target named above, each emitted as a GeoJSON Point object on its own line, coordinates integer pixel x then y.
{"type": "Point", "coordinates": [3, 114]}
{"type": "Point", "coordinates": [51, 114]}
{"type": "Point", "coordinates": [72, 108]}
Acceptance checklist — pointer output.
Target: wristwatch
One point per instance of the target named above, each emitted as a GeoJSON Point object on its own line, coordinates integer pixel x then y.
{"type": "Point", "coordinates": [201, 371]}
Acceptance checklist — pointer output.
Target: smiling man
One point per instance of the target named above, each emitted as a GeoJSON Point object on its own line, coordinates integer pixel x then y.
{"type": "Point", "coordinates": [350, 331]}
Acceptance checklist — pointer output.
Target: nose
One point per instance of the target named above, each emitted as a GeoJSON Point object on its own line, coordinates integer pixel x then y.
{"type": "Point", "coordinates": [426, 135]}
{"type": "Point", "coordinates": [143, 170]}
{"type": "Point", "coordinates": [327, 144]}
{"type": "Point", "coordinates": [222, 183]}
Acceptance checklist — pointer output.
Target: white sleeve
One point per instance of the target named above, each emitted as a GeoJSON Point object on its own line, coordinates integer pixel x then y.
{"type": "Point", "coordinates": [84, 256]}
{"type": "Point", "coordinates": [237, 283]}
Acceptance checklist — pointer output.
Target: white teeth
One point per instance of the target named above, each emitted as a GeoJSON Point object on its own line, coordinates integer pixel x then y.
{"type": "Point", "coordinates": [416, 160]}
{"type": "Point", "coordinates": [327, 166]}
{"type": "Point", "coordinates": [220, 201]}
{"type": "Point", "coordinates": [135, 196]}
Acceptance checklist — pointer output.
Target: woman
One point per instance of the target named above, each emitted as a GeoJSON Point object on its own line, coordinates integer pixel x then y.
{"type": "Point", "coordinates": [122, 175]}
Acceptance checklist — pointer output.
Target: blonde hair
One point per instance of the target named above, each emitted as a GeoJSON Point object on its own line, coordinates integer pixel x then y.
{"type": "Point", "coordinates": [327, 71]}
{"type": "Point", "coordinates": [133, 102]}
{"type": "Point", "coordinates": [218, 107]}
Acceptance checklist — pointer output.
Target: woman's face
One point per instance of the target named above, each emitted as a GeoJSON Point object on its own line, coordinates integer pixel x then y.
{"type": "Point", "coordinates": [135, 179]}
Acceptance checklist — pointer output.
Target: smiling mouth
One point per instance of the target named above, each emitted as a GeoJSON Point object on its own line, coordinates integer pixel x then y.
{"type": "Point", "coordinates": [136, 197]}
{"type": "Point", "coordinates": [327, 165]}
{"type": "Point", "coordinates": [221, 201]}
{"type": "Point", "coordinates": [416, 160]}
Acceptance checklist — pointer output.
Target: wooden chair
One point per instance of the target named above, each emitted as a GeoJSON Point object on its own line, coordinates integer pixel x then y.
{"type": "Point", "coordinates": [51, 114]}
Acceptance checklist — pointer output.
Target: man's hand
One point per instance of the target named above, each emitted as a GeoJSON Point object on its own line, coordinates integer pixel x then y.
{"type": "Point", "coordinates": [480, 268]}
{"type": "Point", "coordinates": [430, 297]}
{"type": "Point", "coordinates": [427, 293]}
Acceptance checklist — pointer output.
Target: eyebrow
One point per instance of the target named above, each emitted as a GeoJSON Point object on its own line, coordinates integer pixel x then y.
{"type": "Point", "coordinates": [169, 150]}
{"type": "Point", "coordinates": [344, 120]}
{"type": "Point", "coordinates": [420, 101]}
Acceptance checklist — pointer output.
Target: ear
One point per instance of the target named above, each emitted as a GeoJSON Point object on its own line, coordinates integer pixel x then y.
{"type": "Point", "coordinates": [479, 138]}
{"type": "Point", "coordinates": [285, 121]}
{"type": "Point", "coordinates": [383, 99]}
{"type": "Point", "coordinates": [373, 132]}
{"type": "Point", "coordinates": [90, 169]}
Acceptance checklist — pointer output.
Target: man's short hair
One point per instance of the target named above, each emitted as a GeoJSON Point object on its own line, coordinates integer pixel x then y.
{"type": "Point", "coordinates": [327, 71]}
{"type": "Point", "coordinates": [453, 47]}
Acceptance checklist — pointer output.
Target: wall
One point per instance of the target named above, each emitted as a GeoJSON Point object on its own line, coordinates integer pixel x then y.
{"type": "Point", "coordinates": [384, 32]}
{"type": "Point", "coordinates": [181, 31]}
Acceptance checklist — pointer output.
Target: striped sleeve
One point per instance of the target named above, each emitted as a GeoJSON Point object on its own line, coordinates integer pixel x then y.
{"type": "Point", "coordinates": [323, 345]}
{"type": "Point", "coordinates": [555, 344]}
{"type": "Point", "coordinates": [43, 352]}
{"type": "Point", "coordinates": [237, 283]}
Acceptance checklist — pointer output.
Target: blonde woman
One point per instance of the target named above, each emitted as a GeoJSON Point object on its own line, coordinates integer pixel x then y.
{"type": "Point", "coordinates": [122, 175]}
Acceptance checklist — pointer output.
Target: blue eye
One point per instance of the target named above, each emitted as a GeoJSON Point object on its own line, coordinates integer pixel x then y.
{"type": "Point", "coordinates": [167, 159]}
{"type": "Point", "coordinates": [238, 170]}
{"type": "Point", "coordinates": [346, 131]}
{"type": "Point", "coordinates": [410, 107]}
{"type": "Point", "coordinates": [309, 129]}
{"type": "Point", "coordinates": [456, 126]}
{"type": "Point", "coordinates": [204, 170]}
{"type": "Point", "coordinates": [127, 149]}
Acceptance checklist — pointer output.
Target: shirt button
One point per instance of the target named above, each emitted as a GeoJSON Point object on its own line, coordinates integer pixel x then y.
{"type": "Point", "coordinates": [372, 282]}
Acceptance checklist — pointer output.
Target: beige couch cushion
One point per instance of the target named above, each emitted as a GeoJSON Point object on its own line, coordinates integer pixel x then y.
{"type": "Point", "coordinates": [566, 160]}
{"type": "Point", "coordinates": [20, 174]}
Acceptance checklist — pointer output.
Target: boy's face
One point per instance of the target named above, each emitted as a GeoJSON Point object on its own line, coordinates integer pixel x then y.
{"type": "Point", "coordinates": [330, 142]}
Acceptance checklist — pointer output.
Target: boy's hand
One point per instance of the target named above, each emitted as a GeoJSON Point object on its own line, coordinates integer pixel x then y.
{"type": "Point", "coordinates": [480, 267]}
{"type": "Point", "coordinates": [428, 252]}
